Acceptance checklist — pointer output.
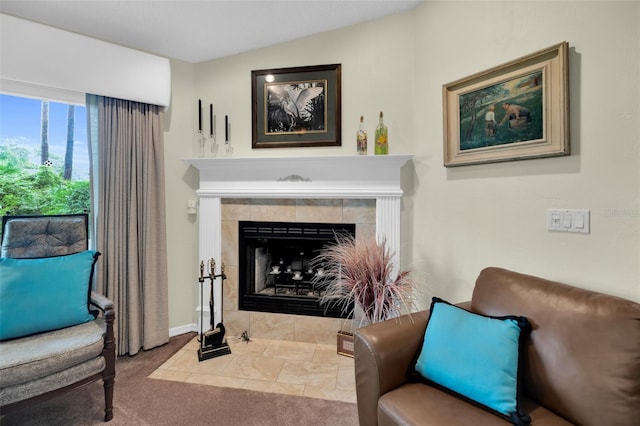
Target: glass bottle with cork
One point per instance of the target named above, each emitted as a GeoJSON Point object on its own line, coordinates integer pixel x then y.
{"type": "Point", "coordinates": [382, 141]}
{"type": "Point", "coordinates": [361, 137]}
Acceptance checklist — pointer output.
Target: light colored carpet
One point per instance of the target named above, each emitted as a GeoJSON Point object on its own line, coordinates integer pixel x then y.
{"type": "Point", "coordinates": [143, 401]}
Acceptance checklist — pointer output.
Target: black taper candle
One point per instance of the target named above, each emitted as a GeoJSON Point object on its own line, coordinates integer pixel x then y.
{"type": "Point", "coordinates": [211, 119]}
{"type": "Point", "coordinates": [226, 128]}
{"type": "Point", "coordinates": [199, 115]}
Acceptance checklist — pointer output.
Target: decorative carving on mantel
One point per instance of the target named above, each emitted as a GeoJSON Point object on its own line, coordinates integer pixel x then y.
{"type": "Point", "coordinates": [294, 178]}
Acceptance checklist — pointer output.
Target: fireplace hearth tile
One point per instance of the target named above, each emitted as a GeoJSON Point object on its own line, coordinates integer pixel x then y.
{"type": "Point", "coordinates": [215, 380]}
{"type": "Point", "coordinates": [290, 350]}
{"type": "Point", "coordinates": [332, 394]}
{"type": "Point", "coordinates": [255, 347]}
{"type": "Point", "coordinates": [258, 368]}
{"type": "Point", "coordinates": [236, 322]}
{"type": "Point", "coordinates": [315, 329]}
{"type": "Point", "coordinates": [272, 326]}
{"type": "Point", "coordinates": [328, 354]}
{"type": "Point", "coordinates": [330, 380]}
{"type": "Point", "coordinates": [173, 375]}
{"type": "Point", "coordinates": [188, 361]}
{"type": "Point", "coordinates": [346, 379]}
{"type": "Point", "coordinates": [309, 374]}
{"type": "Point", "coordinates": [274, 387]}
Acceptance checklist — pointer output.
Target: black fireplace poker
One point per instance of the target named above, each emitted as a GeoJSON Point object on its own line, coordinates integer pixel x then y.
{"type": "Point", "coordinates": [212, 342]}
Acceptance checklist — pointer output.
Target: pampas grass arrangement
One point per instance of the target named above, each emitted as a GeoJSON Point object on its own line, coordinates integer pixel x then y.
{"type": "Point", "coordinates": [358, 276]}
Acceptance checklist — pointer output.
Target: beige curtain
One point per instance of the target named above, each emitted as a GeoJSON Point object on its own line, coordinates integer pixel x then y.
{"type": "Point", "coordinates": [127, 151]}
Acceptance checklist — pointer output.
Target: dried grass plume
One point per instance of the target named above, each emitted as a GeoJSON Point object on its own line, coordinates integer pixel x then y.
{"type": "Point", "coordinates": [362, 271]}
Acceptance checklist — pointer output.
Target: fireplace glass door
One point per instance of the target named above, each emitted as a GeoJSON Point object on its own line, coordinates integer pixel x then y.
{"type": "Point", "coordinates": [276, 271]}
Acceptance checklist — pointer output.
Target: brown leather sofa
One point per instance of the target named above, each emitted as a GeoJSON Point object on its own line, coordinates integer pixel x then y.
{"type": "Point", "coordinates": [582, 362]}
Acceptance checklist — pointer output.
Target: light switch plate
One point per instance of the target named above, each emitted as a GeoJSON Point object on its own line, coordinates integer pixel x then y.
{"type": "Point", "coordinates": [192, 206]}
{"type": "Point", "coordinates": [564, 220]}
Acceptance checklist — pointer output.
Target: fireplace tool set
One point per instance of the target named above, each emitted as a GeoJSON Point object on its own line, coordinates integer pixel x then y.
{"type": "Point", "coordinates": [212, 342]}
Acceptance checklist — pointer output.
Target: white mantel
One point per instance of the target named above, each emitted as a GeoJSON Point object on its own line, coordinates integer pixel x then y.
{"type": "Point", "coordinates": [301, 177]}
{"type": "Point", "coordinates": [344, 177]}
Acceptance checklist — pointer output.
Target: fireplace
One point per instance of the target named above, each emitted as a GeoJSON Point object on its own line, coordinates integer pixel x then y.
{"type": "Point", "coordinates": [277, 273]}
{"type": "Point", "coordinates": [235, 187]}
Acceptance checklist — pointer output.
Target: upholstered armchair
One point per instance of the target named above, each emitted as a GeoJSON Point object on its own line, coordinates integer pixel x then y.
{"type": "Point", "coordinates": [55, 333]}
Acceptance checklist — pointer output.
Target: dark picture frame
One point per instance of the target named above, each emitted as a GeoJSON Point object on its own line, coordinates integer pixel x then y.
{"type": "Point", "coordinates": [296, 107]}
{"type": "Point", "coordinates": [515, 111]}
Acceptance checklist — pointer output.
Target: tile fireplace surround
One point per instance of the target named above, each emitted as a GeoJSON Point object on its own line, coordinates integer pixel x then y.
{"type": "Point", "coordinates": [365, 190]}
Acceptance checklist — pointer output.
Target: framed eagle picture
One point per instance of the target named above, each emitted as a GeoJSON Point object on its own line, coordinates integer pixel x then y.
{"type": "Point", "coordinates": [296, 107]}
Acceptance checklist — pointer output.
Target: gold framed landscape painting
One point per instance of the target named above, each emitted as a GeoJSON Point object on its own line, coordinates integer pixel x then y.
{"type": "Point", "coordinates": [515, 111]}
{"type": "Point", "coordinates": [296, 107]}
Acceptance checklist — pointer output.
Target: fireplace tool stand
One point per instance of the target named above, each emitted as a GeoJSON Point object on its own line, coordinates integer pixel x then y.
{"type": "Point", "coordinates": [212, 342]}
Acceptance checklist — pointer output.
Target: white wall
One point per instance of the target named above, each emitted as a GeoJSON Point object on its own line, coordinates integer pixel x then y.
{"type": "Point", "coordinates": [181, 182]}
{"type": "Point", "coordinates": [457, 221]}
{"type": "Point", "coordinates": [376, 75]}
{"type": "Point", "coordinates": [495, 214]}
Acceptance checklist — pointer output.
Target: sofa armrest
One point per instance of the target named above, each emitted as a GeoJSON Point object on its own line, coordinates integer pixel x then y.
{"type": "Point", "coordinates": [101, 302]}
{"type": "Point", "coordinates": [383, 355]}
{"type": "Point", "coordinates": [104, 305]}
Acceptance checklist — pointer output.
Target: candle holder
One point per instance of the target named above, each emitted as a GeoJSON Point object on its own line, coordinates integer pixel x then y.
{"type": "Point", "coordinates": [201, 144]}
{"type": "Point", "coordinates": [228, 149]}
{"type": "Point", "coordinates": [212, 133]}
{"type": "Point", "coordinates": [213, 151]}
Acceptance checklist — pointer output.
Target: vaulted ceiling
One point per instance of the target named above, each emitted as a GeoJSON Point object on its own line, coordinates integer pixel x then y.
{"type": "Point", "coordinates": [196, 31]}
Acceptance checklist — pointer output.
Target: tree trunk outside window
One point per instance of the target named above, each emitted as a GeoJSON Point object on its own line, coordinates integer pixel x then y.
{"type": "Point", "coordinates": [44, 133]}
{"type": "Point", "coordinates": [68, 157]}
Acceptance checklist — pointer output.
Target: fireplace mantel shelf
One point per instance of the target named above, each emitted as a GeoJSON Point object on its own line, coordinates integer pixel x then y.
{"type": "Point", "coordinates": [344, 160]}
{"type": "Point", "coordinates": [295, 177]}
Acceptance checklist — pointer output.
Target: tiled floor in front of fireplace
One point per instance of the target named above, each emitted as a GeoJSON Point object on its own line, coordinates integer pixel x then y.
{"type": "Point", "coordinates": [276, 366]}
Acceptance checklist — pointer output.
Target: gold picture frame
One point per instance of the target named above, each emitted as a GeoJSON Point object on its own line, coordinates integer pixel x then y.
{"type": "Point", "coordinates": [515, 111]}
{"type": "Point", "coordinates": [345, 343]}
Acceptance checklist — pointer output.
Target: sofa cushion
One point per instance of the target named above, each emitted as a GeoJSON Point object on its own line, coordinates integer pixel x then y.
{"type": "Point", "coordinates": [44, 294]}
{"type": "Point", "coordinates": [422, 404]}
{"type": "Point", "coordinates": [32, 357]}
{"type": "Point", "coordinates": [44, 236]}
{"type": "Point", "coordinates": [22, 391]}
{"type": "Point", "coordinates": [475, 356]}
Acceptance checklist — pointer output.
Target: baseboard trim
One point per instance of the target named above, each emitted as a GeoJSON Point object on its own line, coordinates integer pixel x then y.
{"type": "Point", "coordinates": [187, 328]}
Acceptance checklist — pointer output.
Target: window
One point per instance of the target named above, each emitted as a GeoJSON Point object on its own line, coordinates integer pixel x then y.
{"type": "Point", "coordinates": [44, 159]}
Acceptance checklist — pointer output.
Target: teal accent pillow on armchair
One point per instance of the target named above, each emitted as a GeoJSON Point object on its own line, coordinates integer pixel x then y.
{"type": "Point", "coordinates": [44, 294]}
{"type": "Point", "coordinates": [475, 356]}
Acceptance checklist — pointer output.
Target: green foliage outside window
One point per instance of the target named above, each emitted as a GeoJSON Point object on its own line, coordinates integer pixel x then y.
{"type": "Point", "coordinates": [29, 188]}
{"type": "Point", "coordinates": [38, 138]}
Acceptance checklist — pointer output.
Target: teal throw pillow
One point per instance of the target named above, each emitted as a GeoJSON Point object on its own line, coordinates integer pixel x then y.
{"type": "Point", "coordinates": [475, 356]}
{"type": "Point", "coordinates": [44, 294]}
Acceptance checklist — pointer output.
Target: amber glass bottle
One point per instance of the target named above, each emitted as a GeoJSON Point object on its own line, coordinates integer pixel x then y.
{"type": "Point", "coordinates": [361, 138]}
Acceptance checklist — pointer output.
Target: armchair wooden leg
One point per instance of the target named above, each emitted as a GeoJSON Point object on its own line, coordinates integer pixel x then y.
{"type": "Point", "coordinates": [109, 372]}
{"type": "Point", "coordinates": [108, 398]}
